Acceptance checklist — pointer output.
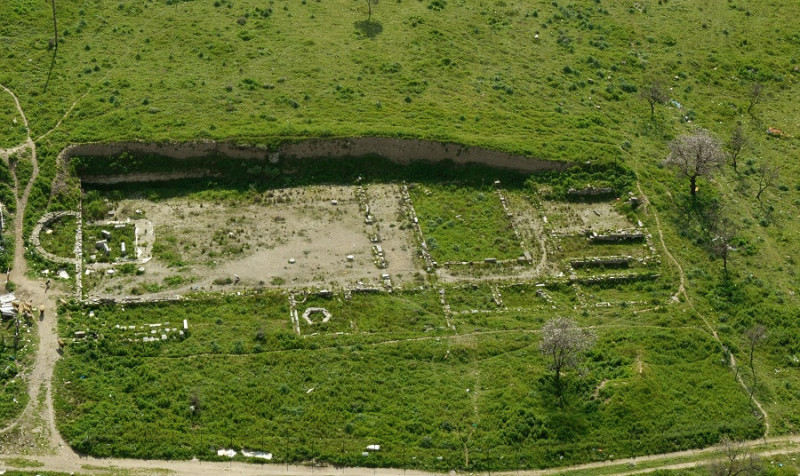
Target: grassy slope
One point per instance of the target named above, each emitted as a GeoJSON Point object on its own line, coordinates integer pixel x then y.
{"type": "Point", "coordinates": [329, 396]}
{"type": "Point", "coordinates": [457, 71]}
{"type": "Point", "coordinates": [502, 86]}
{"type": "Point", "coordinates": [11, 133]}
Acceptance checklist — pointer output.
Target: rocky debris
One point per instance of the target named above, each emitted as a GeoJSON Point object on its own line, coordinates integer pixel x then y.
{"type": "Point", "coordinates": [590, 193]}
{"type": "Point", "coordinates": [608, 262]}
{"type": "Point", "coordinates": [618, 237]}
{"type": "Point", "coordinates": [379, 256]}
{"type": "Point", "coordinates": [326, 315]}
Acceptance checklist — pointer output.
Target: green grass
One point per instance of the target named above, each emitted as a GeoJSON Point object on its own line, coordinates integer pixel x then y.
{"type": "Point", "coordinates": [12, 129]}
{"type": "Point", "coordinates": [23, 463]}
{"type": "Point", "coordinates": [23, 167]}
{"type": "Point", "coordinates": [468, 73]}
{"type": "Point", "coordinates": [394, 315]}
{"type": "Point", "coordinates": [469, 297]}
{"type": "Point", "coordinates": [481, 59]}
{"type": "Point", "coordinates": [464, 223]}
{"type": "Point", "coordinates": [327, 397]}
{"type": "Point", "coordinates": [579, 247]}
{"type": "Point", "coordinates": [61, 242]}
{"type": "Point", "coordinates": [13, 388]}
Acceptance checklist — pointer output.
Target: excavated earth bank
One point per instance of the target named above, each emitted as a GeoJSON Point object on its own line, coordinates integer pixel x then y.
{"type": "Point", "coordinates": [401, 151]}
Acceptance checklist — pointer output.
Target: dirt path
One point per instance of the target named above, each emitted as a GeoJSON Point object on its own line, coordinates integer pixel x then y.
{"type": "Point", "coordinates": [39, 379]}
{"type": "Point", "coordinates": [74, 463]}
{"type": "Point", "coordinates": [682, 291]}
{"type": "Point", "coordinates": [69, 110]}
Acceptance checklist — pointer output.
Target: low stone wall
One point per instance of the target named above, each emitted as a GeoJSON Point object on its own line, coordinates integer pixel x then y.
{"type": "Point", "coordinates": [401, 151]}
{"type": "Point", "coordinates": [45, 220]}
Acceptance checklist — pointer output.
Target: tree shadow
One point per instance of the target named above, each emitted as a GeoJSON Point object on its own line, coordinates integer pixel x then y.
{"type": "Point", "coordinates": [368, 28]}
{"type": "Point", "coordinates": [53, 45]}
{"type": "Point", "coordinates": [50, 71]}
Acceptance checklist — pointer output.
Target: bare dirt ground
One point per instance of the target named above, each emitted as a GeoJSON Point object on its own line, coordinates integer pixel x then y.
{"type": "Point", "coordinates": [328, 242]}
{"type": "Point", "coordinates": [571, 218]}
{"type": "Point", "coordinates": [298, 238]}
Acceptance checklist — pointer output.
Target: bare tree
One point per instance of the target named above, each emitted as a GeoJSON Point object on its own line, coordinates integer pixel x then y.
{"type": "Point", "coordinates": [55, 25]}
{"type": "Point", "coordinates": [723, 231]}
{"type": "Point", "coordinates": [654, 94]}
{"type": "Point", "coordinates": [369, 8]}
{"type": "Point", "coordinates": [565, 343]}
{"type": "Point", "coordinates": [756, 94]}
{"type": "Point", "coordinates": [736, 460]}
{"type": "Point", "coordinates": [737, 142]}
{"type": "Point", "coordinates": [53, 45]}
{"type": "Point", "coordinates": [695, 155]}
{"type": "Point", "coordinates": [768, 174]}
{"type": "Point", "coordinates": [755, 336]}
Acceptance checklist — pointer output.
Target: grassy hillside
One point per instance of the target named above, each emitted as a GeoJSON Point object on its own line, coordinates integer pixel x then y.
{"type": "Point", "coordinates": [475, 401]}
{"type": "Point", "coordinates": [467, 71]}
{"type": "Point", "coordinates": [557, 80]}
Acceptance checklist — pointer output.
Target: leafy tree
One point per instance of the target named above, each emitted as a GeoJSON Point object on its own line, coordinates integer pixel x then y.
{"type": "Point", "coordinates": [565, 343]}
{"type": "Point", "coordinates": [695, 155]}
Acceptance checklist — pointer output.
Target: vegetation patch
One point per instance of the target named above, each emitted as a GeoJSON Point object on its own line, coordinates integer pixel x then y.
{"type": "Point", "coordinates": [396, 314]}
{"type": "Point", "coordinates": [58, 237]}
{"type": "Point", "coordinates": [464, 224]}
{"type": "Point", "coordinates": [16, 353]}
{"type": "Point", "coordinates": [428, 399]}
{"type": "Point", "coordinates": [12, 128]}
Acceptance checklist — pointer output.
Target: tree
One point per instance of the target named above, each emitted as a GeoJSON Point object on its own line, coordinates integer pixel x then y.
{"type": "Point", "coordinates": [736, 460]}
{"type": "Point", "coordinates": [55, 25]}
{"type": "Point", "coordinates": [695, 155]}
{"type": "Point", "coordinates": [755, 336]}
{"type": "Point", "coordinates": [723, 231]}
{"type": "Point", "coordinates": [768, 174]}
{"type": "Point", "coordinates": [565, 343]}
{"type": "Point", "coordinates": [654, 94]}
{"type": "Point", "coordinates": [53, 45]}
{"type": "Point", "coordinates": [756, 94]}
{"type": "Point", "coordinates": [737, 142]}
{"type": "Point", "coordinates": [369, 8]}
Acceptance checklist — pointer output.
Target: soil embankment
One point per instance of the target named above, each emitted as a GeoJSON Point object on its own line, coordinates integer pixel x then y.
{"type": "Point", "coordinates": [401, 151]}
